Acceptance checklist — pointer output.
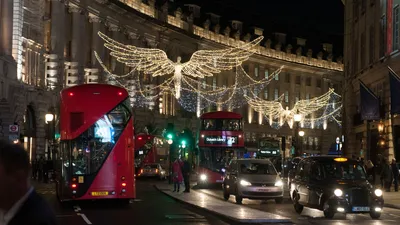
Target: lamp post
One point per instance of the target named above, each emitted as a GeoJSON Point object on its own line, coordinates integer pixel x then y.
{"type": "Point", "coordinates": [297, 118]}
{"type": "Point", "coordinates": [301, 134]}
{"type": "Point", "coordinates": [50, 119]}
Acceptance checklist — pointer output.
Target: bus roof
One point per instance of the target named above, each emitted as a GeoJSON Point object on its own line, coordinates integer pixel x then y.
{"type": "Point", "coordinates": [221, 115]}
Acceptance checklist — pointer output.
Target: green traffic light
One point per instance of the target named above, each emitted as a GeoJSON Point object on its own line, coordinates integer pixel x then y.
{"type": "Point", "coordinates": [169, 136]}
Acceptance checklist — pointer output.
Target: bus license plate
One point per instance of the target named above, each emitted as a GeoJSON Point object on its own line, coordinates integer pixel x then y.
{"type": "Point", "coordinates": [360, 209]}
{"type": "Point", "coordinates": [103, 193]}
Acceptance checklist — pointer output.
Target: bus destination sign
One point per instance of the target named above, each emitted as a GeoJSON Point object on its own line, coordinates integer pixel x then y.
{"type": "Point", "coordinates": [221, 140]}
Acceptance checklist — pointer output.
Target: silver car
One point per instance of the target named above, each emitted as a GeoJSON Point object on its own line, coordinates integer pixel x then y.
{"type": "Point", "coordinates": [252, 179]}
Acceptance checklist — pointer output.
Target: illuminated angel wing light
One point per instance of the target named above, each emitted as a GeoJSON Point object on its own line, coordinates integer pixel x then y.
{"type": "Point", "coordinates": [203, 63]}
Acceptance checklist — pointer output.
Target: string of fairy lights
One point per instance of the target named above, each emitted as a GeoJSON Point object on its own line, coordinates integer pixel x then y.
{"type": "Point", "coordinates": [188, 83]}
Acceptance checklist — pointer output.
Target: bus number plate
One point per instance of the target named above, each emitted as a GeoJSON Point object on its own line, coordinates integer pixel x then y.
{"type": "Point", "coordinates": [103, 193]}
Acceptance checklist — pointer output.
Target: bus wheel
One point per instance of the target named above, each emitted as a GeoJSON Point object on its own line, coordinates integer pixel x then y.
{"type": "Point", "coordinates": [226, 194]}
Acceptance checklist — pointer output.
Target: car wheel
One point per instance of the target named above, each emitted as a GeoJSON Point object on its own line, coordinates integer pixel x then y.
{"type": "Point", "coordinates": [297, 207]}
{"type": "Point", "coordinates": [375, 215]}
{"type": "Point", "coordinates": [328, 212]}
{"type": "Point", "coordinates": [279, 200]}
{"type": "Point", "coordinates": [238, 199]}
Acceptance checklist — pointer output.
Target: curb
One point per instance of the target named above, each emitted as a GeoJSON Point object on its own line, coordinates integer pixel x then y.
{"type": "Point", "coordinates": [229, 218]}
{"type": "Point", "coordinates": [392, 206]}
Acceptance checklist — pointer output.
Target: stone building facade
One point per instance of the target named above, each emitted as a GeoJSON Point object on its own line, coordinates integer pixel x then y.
{"type": "Point", "coordinates": [371, 45]}
{"type": "Point", "coordinates": [61, 54]}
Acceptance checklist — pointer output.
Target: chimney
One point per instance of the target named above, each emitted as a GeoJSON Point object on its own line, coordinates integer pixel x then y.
{"type": "Point", "coordinates": [258, 31]}
{"type": "Point", "coordinates": [301, 42]}
{"type": "Point", "coordinates": [194, 9]}
{"type": "Point", "coordinates": [214, 18]}
{"type": "Point", "coordinates": [281, 38]}
{"type": "Point", "coordinates": [327, 47]}
{"type": "Point", "coordinates": [237, 25]}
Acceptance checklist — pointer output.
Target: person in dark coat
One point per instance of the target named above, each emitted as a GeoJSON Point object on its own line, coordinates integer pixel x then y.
{"type": "Point", "coordinates": [186, 174]}
{"type": "Point", "coordinates": [19, 203]}
{"type": "Point", "coordinates": [395, 171]}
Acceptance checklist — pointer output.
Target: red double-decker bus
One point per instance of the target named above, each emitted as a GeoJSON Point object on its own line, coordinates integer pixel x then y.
{"type": "Point", "coordinates": [220, 139]}
{"type": "Point", "coordinates": [96, 158]}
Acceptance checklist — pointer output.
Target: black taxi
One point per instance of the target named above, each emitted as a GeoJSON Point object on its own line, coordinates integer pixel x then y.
{"type": "Point", "coordinates": [334, 185]}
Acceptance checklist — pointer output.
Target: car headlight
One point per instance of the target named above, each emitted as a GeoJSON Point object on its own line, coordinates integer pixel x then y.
{"type": "Point", "coordinates": [338, 192]}
{"type": "Point", "coordinates": [378, 192]}
{"type": "Point", "coordinates": [245, 183]}
{"type": "Point", "coordinates": [203, 177]}
{"type": "Point", "coordinates": [279, 183]}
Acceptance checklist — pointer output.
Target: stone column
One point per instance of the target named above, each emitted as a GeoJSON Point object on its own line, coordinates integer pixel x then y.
{"type": "Point", "coordinates": [6, 27]}
{"type": "Point", "coordinates": [77, 47]}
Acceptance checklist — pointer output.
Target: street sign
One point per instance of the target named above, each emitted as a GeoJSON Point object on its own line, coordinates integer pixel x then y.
{"type": "Point", "coordinates": [13, 128]}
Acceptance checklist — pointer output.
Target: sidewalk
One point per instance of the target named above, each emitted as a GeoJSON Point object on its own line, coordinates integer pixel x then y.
{"type": "Point", "coordinates": [237, 213]}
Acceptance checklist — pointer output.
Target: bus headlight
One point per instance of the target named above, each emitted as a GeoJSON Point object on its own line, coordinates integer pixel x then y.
{"type": "Point", "coordinates": [378, 192]}
{"type": "Point", "coordinates": [338, 192]}
{"type": "Point", "coordinates": [245, 183]}
{"type": "Point", "coordinates": [279, 183]}
{"type": "Point", "coordinates": [203, 177]}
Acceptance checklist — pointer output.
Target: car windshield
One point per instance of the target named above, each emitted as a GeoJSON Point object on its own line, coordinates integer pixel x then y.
{"type": "Point", "coordinates": [257, 168]}
{"type": "Point", "coordinates": [344, 171]}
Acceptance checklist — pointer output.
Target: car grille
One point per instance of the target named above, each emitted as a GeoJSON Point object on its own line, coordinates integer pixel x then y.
{"type": "Point", "coordinates": [262, 185]}
{"type": "Point", "coordinates": [359, 197]}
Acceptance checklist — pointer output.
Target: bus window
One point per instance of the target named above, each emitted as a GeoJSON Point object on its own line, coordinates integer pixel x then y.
{"type": "Point", "coordinates": [91, 148]}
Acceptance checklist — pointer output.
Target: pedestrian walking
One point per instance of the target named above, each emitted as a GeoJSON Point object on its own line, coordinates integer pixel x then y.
{"type": "Point", "coordinates": [19, 203]}
{"type": "Point", "coordinates": [186, 174]}
{"type": "Point", "coordinates": [395, 171]}
{"type": "Point", "coordinates": [387, 175]}
{"type": "Point", "coordinates": [177, 176]}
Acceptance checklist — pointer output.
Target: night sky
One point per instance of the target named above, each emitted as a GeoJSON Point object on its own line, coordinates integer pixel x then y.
{"type": "Point", "coordinates": [318, 21]}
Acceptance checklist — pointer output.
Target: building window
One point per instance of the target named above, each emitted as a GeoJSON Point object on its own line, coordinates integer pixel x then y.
{"type": "Point", "coordinates": [266, 73]}
{"type": "Point", "coordinates": [298, 80]}
{"type": "Point", "coordinates": [276, 94]}
{"type": "Point", "coordinates": [277, 76]}
{"type": "Point", "coordinates": [396, 27]}
{"type": "Point", "coordinates": [297, 96]}
{"type": "Point", "coordinates": [266, 94]}
{"type": "Point", "coordinates": [382, 37]}
{"type": "Point", "coordinates": [371, 44]}
{"type": "Point", "coordinates": [308, 81]}
{"type": "Point", "coordinates": [286, 96]}
{"type": "Point", "coordinates": [363, 42]}
{"type": "Point", "coordinates": [256, 71]}
{"type": "Point", "coordinates": [287, 77]}
{"type": "Point", "coordinates": [214, 83]}
{"type": "Point", "coordinates": [319, 83]}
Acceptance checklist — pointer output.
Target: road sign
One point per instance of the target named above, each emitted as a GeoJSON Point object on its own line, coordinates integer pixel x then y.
{"type": "Point", "coordinates": [13, 128]}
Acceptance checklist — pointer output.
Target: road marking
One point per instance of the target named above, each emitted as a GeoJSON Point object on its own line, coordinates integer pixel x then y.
{"type": "Point", "coordinates": [77, 208]}
{"type": "Point", "coordinates": [84, 218]}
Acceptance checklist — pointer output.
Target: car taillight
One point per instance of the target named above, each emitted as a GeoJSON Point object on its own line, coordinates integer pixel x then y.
{"type": "Point", "coordinates": [123, 184]}
{"type": "Point", "coordinates": [73, 185]}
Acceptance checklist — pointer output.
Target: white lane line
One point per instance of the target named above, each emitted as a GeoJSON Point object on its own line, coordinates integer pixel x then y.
{"type": "Point", "coordinates": [77, 208]}
{"type": "Point", "coordinates": [84, 218]}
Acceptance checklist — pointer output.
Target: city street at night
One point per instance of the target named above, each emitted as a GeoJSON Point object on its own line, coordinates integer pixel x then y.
{"type": "Point", "coordinates": [154, 207]}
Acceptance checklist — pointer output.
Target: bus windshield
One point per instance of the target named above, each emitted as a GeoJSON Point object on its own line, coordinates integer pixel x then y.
{"type": "Point", "coordinates": [269, 144]}
{"type": "Point", "coordinates": [91, 148]}
{"type": "Point", "coordinates": [222, 124]}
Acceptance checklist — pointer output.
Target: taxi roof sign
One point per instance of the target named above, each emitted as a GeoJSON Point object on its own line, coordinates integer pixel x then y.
{"type": "Point", "coordinates": [340, 159]}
